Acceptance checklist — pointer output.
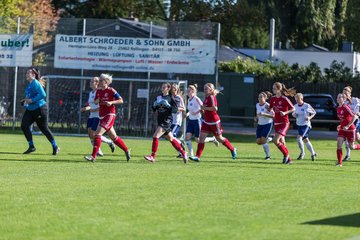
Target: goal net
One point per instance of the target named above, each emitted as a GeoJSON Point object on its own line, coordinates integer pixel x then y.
{"type": "Point", "coordinates": [67, 94]}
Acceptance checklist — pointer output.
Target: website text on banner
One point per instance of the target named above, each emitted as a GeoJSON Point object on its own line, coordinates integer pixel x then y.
{"type": "Point", "coordinates": [135, 54]}
{"type": "Point", "coordinates": [16, 50]}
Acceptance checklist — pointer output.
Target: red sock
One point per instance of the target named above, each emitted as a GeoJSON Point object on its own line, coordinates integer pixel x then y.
{"type": "Point", "coordinates": [228, 145]}
{"type": "Point", "coordinates": [177, 146]}
{"type": "Point", "coordinates": [339, 155]}
{"type": "Point", "coordinates": [155, 145]}
{"type": "Point", "coordinates": [120, 143]}
{"type": "Point", "coordinates": [283, 149]}
{"type": "Point", "coordinates": [96, 145]}
{"type": "Point", "coordinates": [200, 149]}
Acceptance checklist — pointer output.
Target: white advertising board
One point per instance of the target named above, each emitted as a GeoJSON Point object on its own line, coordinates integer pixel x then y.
{"type": "Point", "coordinates": [16, 50]}
{"type": "Point", "coordinates": [135, 54]}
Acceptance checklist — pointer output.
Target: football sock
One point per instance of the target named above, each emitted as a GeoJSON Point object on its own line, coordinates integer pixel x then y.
{"type": "Point", "coordinates": [283, 149]}
{"type": "Point", "coordinates": [155, 145]}
{"type": "Point", "coordinates": [190, 146]}
{"type": "Point", "coordinates": [310, 147]}
{"type": "Point", "coordinates": [97, 143]}
{"type": "Point", "coordinates": [228, 145]}
{"type": "Point", "coordinates": [209, 139]}
{"type": "Point", "coordinates": [200, 149]}
{"type": "Point", "coordinates": [106, 140]}
{"type": "Point", "coordinates": [339, 155]}
{"type": "Point", "coordinates": [266, 149]}
{"type": "Point", "coordinates": [177, 146]}
{"type": "Point", "coordinates": [120, 143]}
{"type": "Point", "coordinates": [347, 147]}
{"type": "Point", "coordinates": [300, 144]}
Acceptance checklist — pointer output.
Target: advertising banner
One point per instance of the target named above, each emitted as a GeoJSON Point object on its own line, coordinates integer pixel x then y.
{"type": "Point", "coordinates": [135, 54]}
{"type": "Point", "coordinates": [16, 50]}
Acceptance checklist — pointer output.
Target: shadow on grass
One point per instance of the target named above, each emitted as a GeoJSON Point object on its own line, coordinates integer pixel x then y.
{"type": "Point", "coordinates": [351, 220]}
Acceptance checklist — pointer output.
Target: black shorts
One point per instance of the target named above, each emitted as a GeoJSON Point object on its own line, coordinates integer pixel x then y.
{"type": "Point", "coordinates": [166, 125]}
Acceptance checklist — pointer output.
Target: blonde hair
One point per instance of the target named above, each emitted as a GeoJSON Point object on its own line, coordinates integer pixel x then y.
{"type": "Point", "coordinates": [348, 88]}
{"type": "Point", "coordinates": [42, 82]}
{"type": "Point", "coordinates": [106, 77]}
{"type": "Point", "coordinates": [213, 91]}
{"type": "Point", "coordinates": [300, 95]}
{"type": "Point", "coordinates": [285, 91]}
{"type": "Point", "coordinates": [177, 91]}
{"type": "Point", "coordinates": [95, 79]}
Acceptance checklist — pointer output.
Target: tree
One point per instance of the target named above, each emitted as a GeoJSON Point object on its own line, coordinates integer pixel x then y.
{"type": "Point", "coordinates": [352, 23]}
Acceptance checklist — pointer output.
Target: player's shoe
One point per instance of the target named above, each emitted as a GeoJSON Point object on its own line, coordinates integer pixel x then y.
{"type": "Point", "coordinates": [179, 155]}
{"type": "Point", "coordinates": [149, 158]}
{"type": "Point", "coordinates": [288, 161]}
{"type": "Point", "coordinates": [313, 157]}
{"type": "Point", "coordinates": [56, 150]}
{"type": "Point", "coordinates": [185, 158]}
{"type": "Point", "coordinates": [269, 139]}
{"type": "Point", "coordinates": [234, 154]}
{"type": "Point", "coordinates": [338, 165]}
{"type": "Point", "coordinates": [127, 154]}
{"type": "Point", "coordinates": [30, 150]}
{"type": "Point", "coordinates": [284, 160]}
{"type": "Point", "coordinates": [89, 158]}
{"type": "Point", "coordinates": [301, 156]}
{"type": "Point", "coordinates": [100, 153]}
{"type": "Point", "coordinates": [267, 158]}
{"type": "Point", "coordinates": [346, 158]}
{"type": "Point", "coordinates": [216, 142]}
{"type": "Point", "coordinates": [112, 146]}
{"type": "Point", "coordinates": [194, 158]}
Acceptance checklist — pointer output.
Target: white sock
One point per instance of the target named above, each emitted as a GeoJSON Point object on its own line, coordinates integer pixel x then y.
{"type": "Point", "coordinates": [189, 145]}
{"type": "Point", "coordinates": [301, 144]}
{"type": "Point", "coordinates": [347, 147]}
{"type": "Point", "coordinates": [266, 149]}
{"type": "Point", "coordinates": [310, 147]}
{"type": "Point", "coordinates": [209, 139]}
{"type": "Point", "coordinates": [106, 140]}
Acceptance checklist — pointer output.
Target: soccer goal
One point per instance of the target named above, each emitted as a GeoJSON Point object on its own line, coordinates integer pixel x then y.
{"type": "Point", "coordinates": [67, 94]}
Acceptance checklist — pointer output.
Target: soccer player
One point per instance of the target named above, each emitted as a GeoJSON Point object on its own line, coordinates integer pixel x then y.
{"type": "Point", "coordinates": [282, 106]}
{"type": "Point", "coordinates": [36, 110]}
{"type": "Point", "coordinates": [194, 122]}
{"type": "Point", "coordinates": [93, 120]}
{"type": "Point", "coordinates": [107, 98]}
{"type": "Point", "coordinates": [303, 114]}
{"type": "Point", "coordinates": [264, 122]}
{"type": "Point", "coordinates": [165, 106]}
{"type": "Point", "coordinates": [354, 104]}
{"type": "Point", "coordinates": [346, 129]}
{"type": "Point", "coordinates": [178, 116]}
{"type": "Point", "coordinates": [211, 123]}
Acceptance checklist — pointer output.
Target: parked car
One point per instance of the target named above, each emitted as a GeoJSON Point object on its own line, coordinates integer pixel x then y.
{"type": "Point", "coordinates": [325, 107]}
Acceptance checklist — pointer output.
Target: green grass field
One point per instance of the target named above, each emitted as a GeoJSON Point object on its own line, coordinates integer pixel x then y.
{"type": "Point", "coordinates": [65, 197]}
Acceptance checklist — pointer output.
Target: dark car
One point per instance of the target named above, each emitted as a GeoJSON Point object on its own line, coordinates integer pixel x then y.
{"type": "Point", "coordinates": [325, 108]}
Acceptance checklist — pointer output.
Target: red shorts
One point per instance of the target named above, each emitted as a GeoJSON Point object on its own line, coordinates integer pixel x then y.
{"type": "Point", "coordinates": [348, 135]}
{"type": "Point", "coordinates": [107, 122]}
{"type": "Point", "coordinates": [282, 128]}
{"type": "Point", "coordinates": [215, 129]}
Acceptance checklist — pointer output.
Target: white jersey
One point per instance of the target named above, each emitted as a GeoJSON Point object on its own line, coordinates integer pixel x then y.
{"type": "Point", "coordinates": [177, 117]}
{"type": "Point", "coordinates": [194, 107]}
{"type": "Point", "coordinates": [262, 120]}
{"type": "Point", "coordinates": [92, 105]}
{"type": "Point", "coordinates": [354, 105]}
{"type": "Point", "coordinates": [302, 112]}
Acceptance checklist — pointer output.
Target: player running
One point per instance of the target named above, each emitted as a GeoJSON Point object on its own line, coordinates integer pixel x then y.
{"type": "Point", "coordinates": [303, 113]}
{"type": "Point", "coordinates": [282, 106]}
{"type": "Point", "coordinates": [211, 123]}
{"type": "Point", "coordinates": [107, 97]}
